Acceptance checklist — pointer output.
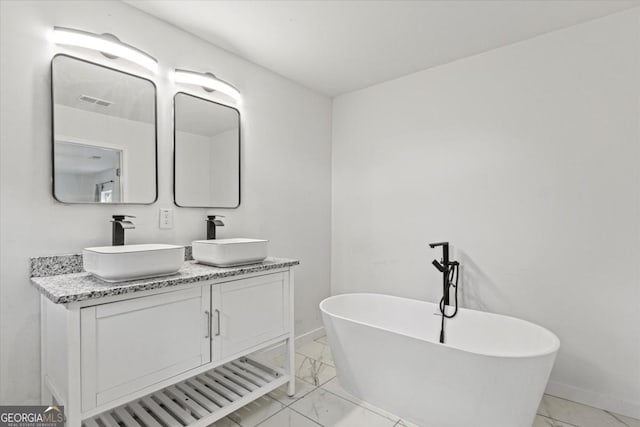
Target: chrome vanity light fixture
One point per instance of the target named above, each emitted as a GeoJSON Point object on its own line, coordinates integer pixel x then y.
{"type": "Point", "coordinates": [207, 81]}
{"type": "Point", "coordinates": [108, 44]}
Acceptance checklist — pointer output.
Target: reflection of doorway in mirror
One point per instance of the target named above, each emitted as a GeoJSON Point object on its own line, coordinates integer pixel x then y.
{"type": "Point", "coordinates": [89, 171]}
{"type": "Point", "coordinates": [104, 192]}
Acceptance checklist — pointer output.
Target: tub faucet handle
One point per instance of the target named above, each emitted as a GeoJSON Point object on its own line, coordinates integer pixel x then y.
{"type": "Point", "coordinates": [437, 265]}
{"type": "Point", "coordinates": [121, 217]}
{"type": "Point", "coordinates": [125, 224]}
{"type": "Point", "coordinates": [213, 218]}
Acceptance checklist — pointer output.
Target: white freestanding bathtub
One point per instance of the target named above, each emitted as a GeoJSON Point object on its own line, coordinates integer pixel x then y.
{"type": "Point", "coordinates": [491, 371]}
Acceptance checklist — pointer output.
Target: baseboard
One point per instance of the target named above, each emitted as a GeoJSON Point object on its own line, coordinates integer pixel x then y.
{"type": "Point", "coordinates": [602, 401]}
{"type": "Point", "coordinates": [312, 335]}
{"type": "Point", "coordinates": [301, 339]}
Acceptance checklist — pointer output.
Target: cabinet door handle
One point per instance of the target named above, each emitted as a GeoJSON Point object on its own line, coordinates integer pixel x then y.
{"type": "Point", "coordinates": [217, 322]}
{"type": "Point", "coordinates": [208, 314]}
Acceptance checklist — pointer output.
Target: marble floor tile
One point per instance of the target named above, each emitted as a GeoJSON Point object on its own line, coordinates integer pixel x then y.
{"type": "Point", "coordinates": [322, 340]}
{"type": "Point", "coordinates": [257, 411]}
{"type": "Point", "coordinates": [288, 418]}
{"type": "Point", "coordinates": [334, 387]}
{"type": "Point", "coordinates": [225, 422]}
{"type": "Point", "coordinates": [302, 388]}
{"type": "Point", "coordinates": [313, 372]}
{"type": "Point", "coordinates": [277, 361]}
{"type": "Point", "coordinates": [309, 370]}
{"type": "Point", "coordinates": [405, 423]}
{"type": "Point", "coordinates": [265, 357]}
{"type": "Point", "coordinates": [541, 421]}
{"type": "Point", "coordinates": [317, 351]}
{"type": "Point", "coordinates": [330, 410]}
{"type": "Point", "coordinates": [631, 422]}
{"type": "Point", "coordinates": [577, 413]}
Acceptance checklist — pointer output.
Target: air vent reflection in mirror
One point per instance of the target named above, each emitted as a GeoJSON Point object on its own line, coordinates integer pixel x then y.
{"type": "Point", "coordinates": [94, 100]}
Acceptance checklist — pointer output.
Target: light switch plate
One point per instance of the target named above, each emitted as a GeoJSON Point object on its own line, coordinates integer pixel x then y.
{"type": "Point", "coordinates": [166, 218]}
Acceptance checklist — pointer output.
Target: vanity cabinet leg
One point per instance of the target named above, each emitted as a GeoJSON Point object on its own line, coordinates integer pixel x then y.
{"type": "Point", "coordinates": [291, 342]}
{"type": "Point", "coordinates": [291, 363]}
{"type": "Point", "coordinates": [46, 398]}
{"type": "Point", "coordinates": [73, 410]}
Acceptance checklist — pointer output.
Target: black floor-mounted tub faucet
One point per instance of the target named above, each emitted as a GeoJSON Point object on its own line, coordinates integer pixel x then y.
{"type": "Point", "coordinates": [449, 269]}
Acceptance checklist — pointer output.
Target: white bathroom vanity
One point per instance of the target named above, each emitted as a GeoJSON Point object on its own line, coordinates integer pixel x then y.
{"type": "Point", "coordinates": [170, 351]}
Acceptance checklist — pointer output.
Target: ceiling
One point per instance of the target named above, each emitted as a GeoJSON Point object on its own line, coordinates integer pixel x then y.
{"type": "Point", "coordinates": [336, 47]}
{"type": "Point", "coordinates": [84, 159]}
{"type": "Point", "coordinates": [78, 84]}
{"type": "Point", "coordinates": [198, 116]}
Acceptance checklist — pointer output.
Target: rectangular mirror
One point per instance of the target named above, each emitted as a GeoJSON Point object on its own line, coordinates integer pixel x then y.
{"type": "Point", "coordinates": [206, 153]}
{"type": "Point", "coordinates": [104, 134]}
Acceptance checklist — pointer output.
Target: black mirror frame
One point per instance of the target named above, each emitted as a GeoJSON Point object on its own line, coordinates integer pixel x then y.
{"type": "Point", "coordinates": [175, 201]}
{"type": "Point", "coordinates": [53, 134]}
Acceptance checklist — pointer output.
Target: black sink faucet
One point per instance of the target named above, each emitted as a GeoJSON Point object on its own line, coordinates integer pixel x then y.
{"type": "Point", "coordinates": [212, 223]}
{"type": "Point", "coordinates": [119, 224]}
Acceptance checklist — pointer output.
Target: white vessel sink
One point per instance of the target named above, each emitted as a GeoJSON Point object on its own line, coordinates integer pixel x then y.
{"type": "Point", "coordinates": [128, 262]}
{"type": "Point", "coordinates": [229, 252]}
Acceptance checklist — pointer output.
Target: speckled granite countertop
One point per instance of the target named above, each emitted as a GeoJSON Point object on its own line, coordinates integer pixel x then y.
{"type": "Point", "coordinates": [73, 287]}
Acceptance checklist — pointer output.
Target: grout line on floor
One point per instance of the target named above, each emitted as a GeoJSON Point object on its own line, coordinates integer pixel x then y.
{"type": "Point", "coordinates": [364, 407]}
{"type": "Point", "coordinates": [229, 419]}
{"type": "Point", "coordinates": [615, 417]}
{"type": "Point", "coordinates": [316, 361]}
{"type": "Point", "coordinates": [554, 421]}
{"type": "Point", "coordinates": [315, 387]}
{"type": "Point", "coordinates": [282, 409]}
{"type": "Point", "coordinates": [300, 413]}
{"type": "Point", "coordinates": [270, 416]}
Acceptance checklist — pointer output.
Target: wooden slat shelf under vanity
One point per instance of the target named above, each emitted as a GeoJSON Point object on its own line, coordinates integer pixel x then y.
{"type": "Point", "coordinates": [197, 401]}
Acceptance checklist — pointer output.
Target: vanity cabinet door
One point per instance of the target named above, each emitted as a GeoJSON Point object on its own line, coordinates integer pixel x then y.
{"type": "Point", "coordinates": [249, 312]}
{"type": "Point", "coordinates": [129, 345]}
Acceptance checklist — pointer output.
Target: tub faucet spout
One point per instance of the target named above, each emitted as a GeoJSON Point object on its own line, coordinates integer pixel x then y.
{"type": "Point", "coordinates": [434, 245]}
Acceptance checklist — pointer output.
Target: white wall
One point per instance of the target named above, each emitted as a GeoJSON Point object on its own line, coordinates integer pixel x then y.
{"type": "Point", "coordinates": [193, 184]}
{"type": "Point", "coordinates": [81, 187]}
{"type": "Point", "coordinates": [526, 159]}
{"type": "Point", "coordinates": [207, 169]}
{"type": "Point", "coordinates": [223, 172]}
{"type": "Point", "coordinates": [286, 167]}
{"type": "Point", "coordinates": [70, 185]}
